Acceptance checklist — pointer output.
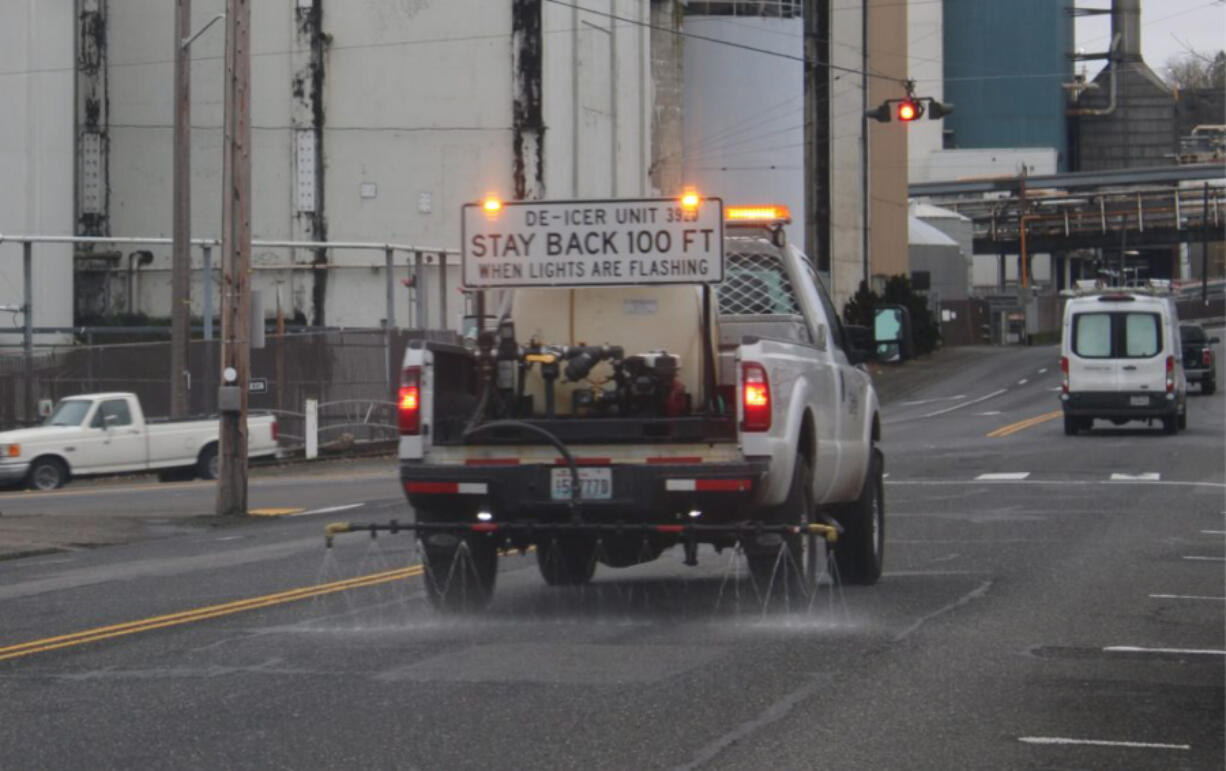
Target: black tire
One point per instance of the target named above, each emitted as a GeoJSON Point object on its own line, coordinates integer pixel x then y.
{"type": "Point", "coordinates": [768, 568]}
{"type": "Point", "coordinates": [1208, 387]}
{"type": "Point", "coordinates": [1170, 424]}
{"type": "Point", "coordinates": [460, 571]}
{"type": "Point", "coordinates": [47, 474]}
{"type": "Point", "coordinates": [1071, 425]}
{"type": "Point", "coordinates": [567, 561]}
{"type": "Point", "coordinates": [860, 551]}
{"type": "Point", "coordinates": [1183, 419]}
{"type": "Point", "coordinates": [206, 464]}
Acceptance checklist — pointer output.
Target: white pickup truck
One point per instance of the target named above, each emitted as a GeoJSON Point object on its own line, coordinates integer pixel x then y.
{"type": "Point", "coordinates": [107, 433]}
{"type": "Point", "coordinates": [687, 413]}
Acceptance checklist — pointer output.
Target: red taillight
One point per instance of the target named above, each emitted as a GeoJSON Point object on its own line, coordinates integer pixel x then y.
{"type": "Point", "coordinates": [1206, 357]}
{"type": "Point", "coordinates": [1170, 374]}
{"type": "Point", "coordinates": [755, 398]}
{"type": "Point", "coordinates": [1064, 372]}
{"type": "Point", "coordinates": [408, 405]}
{"type": "Point", "coordinates": [276, 434]}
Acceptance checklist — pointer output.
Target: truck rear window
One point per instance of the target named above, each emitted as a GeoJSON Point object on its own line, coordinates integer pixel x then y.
{"type": "Point", "coordinates": [755, 284]}
{"type": "Point", "coordinates": [1117, 335]}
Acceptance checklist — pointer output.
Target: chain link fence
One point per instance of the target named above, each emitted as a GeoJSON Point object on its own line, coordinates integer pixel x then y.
{"type": "Point", "coordinates": [349, 372]}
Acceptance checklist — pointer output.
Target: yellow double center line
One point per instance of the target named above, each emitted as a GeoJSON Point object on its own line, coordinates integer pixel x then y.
{"type": "Point", "coordinates": [1022, 425]}
{"type": "Point", "coordinates": [201, 614]}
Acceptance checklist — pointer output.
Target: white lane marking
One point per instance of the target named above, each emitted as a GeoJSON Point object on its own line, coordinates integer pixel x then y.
{"type": "Point", "coordinates": [1102, 743]}
{"type": "Point", "coordinates": [1180, 651]}
{"type": "Point", "coordinates": [886, 475]}
{"type": "Point", "coordinates": [330, 509]}
{"type": "Point", "coordinates": [1214, 532]}
{"type": "Point", "coordinates": [965, 404]}
{"type": "Point", "coordinates": [1003, 476]}
{"type": "Point", "coordinates": [1186, 597]}
{"type": "Point", "coordinates": [1043, 371]}
{"type": "Point", "coordinates": [1023, 381]}
{"type": "Point", "coordinates": [988, 414]}
{"type": "Point", "coordinates": [229, 538]}
{"type": "Point", "coordinates": [918, 402]}
{"type": "Point", "coordinates": [1057, 388]}
{"type": "Point", "coordinates": [1204, 559]}
{"type": "Point", "coordinates": [1059, 483]}
{"type": "Point", "coordinates": [1148, 476]}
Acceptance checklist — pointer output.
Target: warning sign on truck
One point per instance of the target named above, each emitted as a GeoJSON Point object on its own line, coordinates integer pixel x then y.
{"type": "Point", "coordinates": [592, 243]}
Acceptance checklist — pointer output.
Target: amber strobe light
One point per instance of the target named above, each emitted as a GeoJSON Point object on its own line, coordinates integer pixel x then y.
{"type": "Point", "coordinates": [756, 397]}
{"type": "Point", "coordinates": [690, 200]}
{"type": "Point", "coordinates": [408, 408]}
{"type": "Point", "coordinates": [491, 205]}
{"type": "Point", "coordinates": [769, 214]}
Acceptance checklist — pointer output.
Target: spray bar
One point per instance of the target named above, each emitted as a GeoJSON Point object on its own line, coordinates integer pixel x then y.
{"type": "Point", "coordinates": [830, 532]}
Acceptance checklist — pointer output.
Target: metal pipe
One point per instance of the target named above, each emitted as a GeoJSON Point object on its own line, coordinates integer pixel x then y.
{"type": "Point", "coordinates": [27, 332]}
{"type": "Point", "coordinates": [419, 294]}
{"type": "Point", "coordinates": [442, 291]}
{"type": "Point", "coordinates": [208, 292]}
{"type": "Point", "coordinates": [1112, 66]}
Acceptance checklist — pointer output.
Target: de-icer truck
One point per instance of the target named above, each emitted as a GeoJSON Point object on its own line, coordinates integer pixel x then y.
{"type": "Point", "coordinates": [659, 372]}
{"type": "Point", "coordinates": [108, 433]}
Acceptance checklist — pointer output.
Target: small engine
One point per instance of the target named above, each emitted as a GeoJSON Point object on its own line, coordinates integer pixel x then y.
{"type": "Point", "coordinates": [650, 387]}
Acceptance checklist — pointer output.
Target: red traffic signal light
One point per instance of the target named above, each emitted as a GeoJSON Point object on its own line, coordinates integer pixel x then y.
{"type": "Point", "coordinates": [908, 110]}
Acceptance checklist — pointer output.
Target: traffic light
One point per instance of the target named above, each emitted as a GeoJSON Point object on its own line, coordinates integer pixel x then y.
{"type": "Point", "coordinates": [912, 108]}
{"type": "Point", "coordinates": [908, 110]}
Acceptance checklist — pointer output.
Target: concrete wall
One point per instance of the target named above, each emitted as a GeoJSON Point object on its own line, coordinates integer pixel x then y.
{"type": "Point", "coordinates": [888, 141]}
{"type": "Point", "coordinates": [36, 155]}
{"type": "Point", "coordinates": [744, 113]}
{"type": "Point", "coordinates": [925, 57]}
{"type": "Point", "coordinates": [410, 106]}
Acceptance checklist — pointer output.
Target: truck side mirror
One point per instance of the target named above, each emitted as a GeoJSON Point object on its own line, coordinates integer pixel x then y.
{"type": "Point", "coordinates": [1214, 340]}
{"type": "Point", "coordinates": [109, 420]}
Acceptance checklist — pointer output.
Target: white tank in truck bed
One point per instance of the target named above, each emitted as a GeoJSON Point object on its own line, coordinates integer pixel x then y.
{"type": "Point", "coordinates": [639, 319]}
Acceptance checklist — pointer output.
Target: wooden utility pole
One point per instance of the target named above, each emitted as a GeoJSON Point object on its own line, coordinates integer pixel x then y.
{"type": "Point", "coordinates": [236, 261]}
{"type": "Point", "coordinates": [180, 275]}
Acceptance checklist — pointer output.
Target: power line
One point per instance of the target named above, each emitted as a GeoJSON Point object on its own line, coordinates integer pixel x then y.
{"type": "Point", "coordinates": [717, 41]}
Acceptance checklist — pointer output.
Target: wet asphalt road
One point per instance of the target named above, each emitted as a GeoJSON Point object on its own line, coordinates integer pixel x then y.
{"type": "Point", "coordinates": [1064, 612]}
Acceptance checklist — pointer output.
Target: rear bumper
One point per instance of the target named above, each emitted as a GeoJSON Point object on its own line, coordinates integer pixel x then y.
{"type": "Point", "coordinates": [1199, 375]}
{"type": "Point", "coordinates": [723, 492]}
{"type": "Point", "coordinates": [1124, 404]}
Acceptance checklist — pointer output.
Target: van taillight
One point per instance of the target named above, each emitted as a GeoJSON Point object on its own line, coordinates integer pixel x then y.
{"type": "Point", "coordinates": [1170, 374]}
{"type": "Point", "coordinates": [408, 404]}
{"type": "Point", "coordinates": [1206, 357]}
{"type": "Point", "coordinates": [755, 398]}
{"type": "Point", "coordinates": [1064, 371]}
{"type": "Point", "coordinates": [276, 433]}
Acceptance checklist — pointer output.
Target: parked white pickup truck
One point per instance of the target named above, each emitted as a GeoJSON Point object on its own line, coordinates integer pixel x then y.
{"type": "Point", "coordinates": [107, 433]}
{"type": "Point", "coordinates": [687, 413]}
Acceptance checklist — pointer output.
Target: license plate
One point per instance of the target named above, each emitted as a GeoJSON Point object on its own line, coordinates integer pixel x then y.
{"type": "Point", "coordinates": [595, 484]}
{"type": "Point", "coordinates": [1139, 401]}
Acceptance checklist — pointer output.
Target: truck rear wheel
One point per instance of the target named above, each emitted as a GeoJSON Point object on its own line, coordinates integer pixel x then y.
{"type": "Point", "coordinates": [460, 571]}
{"type": "Point", "coordinates": [567, 561]}
{"type": "Point", "coordinates": [777, 570]}
{"type": "Point", "coordinates": [860, 550]}
{"type": "Point", "coordinates": [207, 464]}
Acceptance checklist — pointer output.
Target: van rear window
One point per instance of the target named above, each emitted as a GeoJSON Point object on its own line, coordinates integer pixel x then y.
{"type": "Point", "coordinates": [1092, 335]}
{"type": "Point", "coordinates": [1117, 335]}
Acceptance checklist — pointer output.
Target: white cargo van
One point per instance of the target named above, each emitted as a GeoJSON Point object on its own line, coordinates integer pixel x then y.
{"type": "Point", "coordinates": [1121, 360]}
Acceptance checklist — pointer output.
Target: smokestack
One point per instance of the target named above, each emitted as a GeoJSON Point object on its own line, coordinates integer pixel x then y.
{"type": "Point", "coordinates": [1126, 22]}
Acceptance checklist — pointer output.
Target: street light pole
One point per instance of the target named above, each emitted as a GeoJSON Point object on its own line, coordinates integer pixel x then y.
{"type": "Point", "coordinates": [180, 276]}
{"type": "Point", "coordinates": [236, 262]}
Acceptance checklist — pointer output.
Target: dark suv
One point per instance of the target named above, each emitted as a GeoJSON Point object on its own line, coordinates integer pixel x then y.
{"type": "Point", "coordinates": [1198, 362]}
